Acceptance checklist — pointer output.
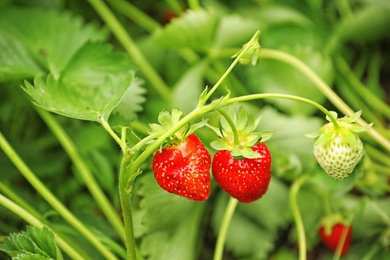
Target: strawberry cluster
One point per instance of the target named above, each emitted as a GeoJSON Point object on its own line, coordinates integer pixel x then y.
{"type": "Point", "coordinates": [241, 167]}
{"type": "Point", "coordinates": [242, 164]}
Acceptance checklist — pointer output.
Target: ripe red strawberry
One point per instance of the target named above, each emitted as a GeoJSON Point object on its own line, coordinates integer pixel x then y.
{"type": "Point", "coordinates": [245, 179]}
{"type": "Point", "coordinates": [184, 169]}
{"type": "Point", "coordinates": [335, 235]}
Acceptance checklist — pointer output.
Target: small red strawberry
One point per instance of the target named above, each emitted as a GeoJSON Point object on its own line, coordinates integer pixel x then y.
{"type": "Point", "coordinates": [182, 167]}
{"type": "Point", "coordinates": [338, 233]}
{"type": "Point", "coordinates": [242, 166]}
{"type": "Point", "coordinates": [245, 179]}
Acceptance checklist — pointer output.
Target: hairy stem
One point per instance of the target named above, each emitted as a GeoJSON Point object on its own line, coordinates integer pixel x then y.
{"type": "Point", "coordinates": [227, 72]}
{"type": "Point", "coordinates": [282, 96]}
{"type": "Point", "coordinates": [126, 182]}
{"type": "Point", "coordinates": [297, 216]}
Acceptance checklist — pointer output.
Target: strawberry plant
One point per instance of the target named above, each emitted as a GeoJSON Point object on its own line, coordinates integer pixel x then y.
{"type": "Point", "coordinates": [235, 130]}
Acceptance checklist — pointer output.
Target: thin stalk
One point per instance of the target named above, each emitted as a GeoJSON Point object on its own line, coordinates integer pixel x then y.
{"type": "Point", "coordinates": [132, 12]}
{"type": "Point", "coordinates": [378, 155]}
{"type": "Point", "coordinates": [118, 140]}
{"type": "Point", "coordinates": [126, 182]}
{"type": "Point", "coordinates": [32, 220]}
{"type": "Point", "coordinates": [175, 6]}
{"type": "Point", "coordinates": [324, 88]}
{"type": "Point", "coordinates": [232, 125]}
{"type": "Point", "coordinates": [17, 199]}
{"type": "Point", "coordinates": [232, 65]}
{"type": "Point", "coordinates": [375, 248]}
{"type": "Point", "coordinates": [356, 102]}
{"type": "Point", "coordinates": [283, 96]}
{"type": "Point", "coordinates": [84, 171]}
{"type": "Point", "coordinates": [194, 4]}
{"type": "Point", "coordinates": [51, 199]}
{"type": "Point", "coordinates": [297, 216]}
{"type": "Point", "coordinates": [231, 207]}
{"type": "Point", "coordinates": [375, 102]}
{"type": "Point", "coordinates": [128, 43]}
{"type": "Point", "coordinates": [340, 244]}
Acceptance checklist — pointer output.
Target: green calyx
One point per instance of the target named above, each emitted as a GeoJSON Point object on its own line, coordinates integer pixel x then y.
{"type": "Point", "coordinates": [329, 221]}
{"type": "Point", "coordinates": [347, 129]}
{"type": "Point", "coordinates": [238, 134]}
{"type": "Point", "coordinates": [168, 120]}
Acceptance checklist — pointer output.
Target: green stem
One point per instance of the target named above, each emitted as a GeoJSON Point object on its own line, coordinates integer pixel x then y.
{"type": "Point", "coordinates": [326, 204]}
{"type": "Point", "coordinates": [344, 9]}
{"type": "Point", "coordinates": [51, 199]}
{"type": "Point", "coordinates": [356, 102]}
{"type": "Point", "coordinates": [378, 155]}
{"type": "Point", "coordinates": [376, 103]}
{"type": "Point", "coordinates": [232, 204]}
{"type": "Point", "coordinates": [283, 96]}
{"type": "Point", "coordinates": [175, 6]}
{"type": "Point", "coordinates": [232, 125]}
{"type": "Point", "coordinates": [135, 14]}
{"type": "Point", "coordinates": [126, 182]}
{"type": "Point", "coordinates": [194, 4]}
{"type": "Point", "coordinates": [17, 199]}
{"type": "Point", "coordinates": [128, 43]}
{"type": "Point", "coordinates": [323, 87]}
{"type": "Point", "coordinates": [232, 65]}
{"type": "Point", "coordinates": [84, 171]}
{"type": "Point", "coordinates": [34, 221]}
{"type": "Point", "coordinates": [340, 244]}
{"type": "Point", "coordinates": [107, 127]}
{"type": "Point", "coordinates": [297, 216]}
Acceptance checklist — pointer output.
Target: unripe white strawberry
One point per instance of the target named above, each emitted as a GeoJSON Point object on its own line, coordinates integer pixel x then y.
{"type": "Point", "coordinates": [338, 149]}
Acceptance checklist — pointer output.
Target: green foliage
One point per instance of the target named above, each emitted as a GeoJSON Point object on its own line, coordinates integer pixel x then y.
{"type": "Point", "coordinates": [169, 218]}
{"type": "Point", "coordinates": [34, 243]}
{"type": "Point", "coordinates": [69, 57]}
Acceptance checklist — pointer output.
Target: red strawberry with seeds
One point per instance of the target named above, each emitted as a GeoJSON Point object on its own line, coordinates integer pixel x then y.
{"type": "Point", "coordinates": [245, 179]}
{"type": "Point", "coordinates": [242, 165]}
{"type": "Point", "coordinates": [338, 233]}
{"type": "Point", "coordinates": [184, 169]}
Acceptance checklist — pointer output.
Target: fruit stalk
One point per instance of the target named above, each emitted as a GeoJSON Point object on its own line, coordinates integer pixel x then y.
{"type": "Point", "coordinates": [231, 207]}
{"type": "Point", "coordinates": [126, 183]}
{"type": "Point", "coordinates": [297, 216]}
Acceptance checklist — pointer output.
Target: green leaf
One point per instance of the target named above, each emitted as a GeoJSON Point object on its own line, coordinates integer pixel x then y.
{"type": "Point", "coordinates": [234, 30]}
{"type": "Point", "coordinates": [131, 104]}
{"type": "Point", "coordinates": [188, 88]}
{"type": "Point", "coordinates": [48, 36]}
{"type": "Point", "coordinates": [194, 30]}
{"type": "Point", "coordinates": [169, 218]}
{"type": "Point", "coordinates": [37, 243]}
{"type": "Point", "coordinates": [91, 86]}
{"type": "Point", "coordinates": [15, 61]}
